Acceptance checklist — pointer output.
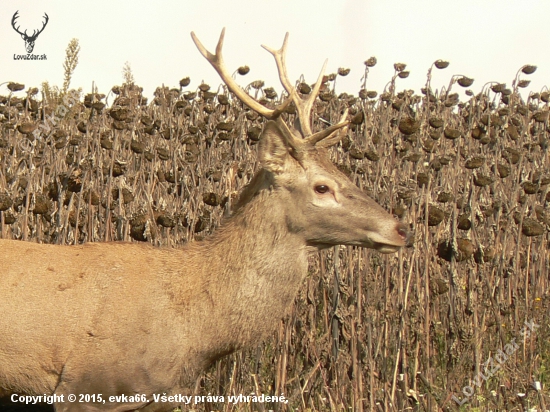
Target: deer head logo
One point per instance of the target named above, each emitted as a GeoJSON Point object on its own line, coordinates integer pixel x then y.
{"type": "Point", "coordinates": [29, 40]}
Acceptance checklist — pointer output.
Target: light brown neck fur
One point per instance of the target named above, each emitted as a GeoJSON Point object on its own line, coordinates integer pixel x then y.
{"type": "Point", "coordinates": [254, 268]}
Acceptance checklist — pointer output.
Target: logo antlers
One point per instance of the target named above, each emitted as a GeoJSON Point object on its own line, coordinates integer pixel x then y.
{"type": "Point", "coordinates": [29, 40]}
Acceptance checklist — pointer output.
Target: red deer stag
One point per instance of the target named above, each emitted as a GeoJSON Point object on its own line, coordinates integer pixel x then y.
{"type": "Point", "coordinates": [124, 318]}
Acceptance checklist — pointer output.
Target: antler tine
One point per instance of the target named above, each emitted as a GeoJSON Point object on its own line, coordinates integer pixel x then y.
{"type": "Point", "coordinates": [303, 112]}
{"type": "Point", "coordinates": [305, 105]}
{"type": "Point", "coordinates": [282, 107]}
{"type": "Point", "coordinates": [13, 21]}
{"type": "Point", "coordinates": [216, 60]}
{"type": "Point", "coordinates": [308, 104]}
{"type": "Point", "coordinates": [279, 56]}
{"type": "Point", "coordinates": [334, 138]}
{"type": "Point", "coordinates": [326, 133]}
{"type": "Point", "coordinates": [302, 105]}
{"type": "Point", "coordinates": [45, 22]}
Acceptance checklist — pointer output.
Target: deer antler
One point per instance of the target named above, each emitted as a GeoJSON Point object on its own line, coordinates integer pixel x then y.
{"type": "Point", "coordinates": [15, 16]}
{"type": "Point", "coordinates": [43, 26]}
{"type": "Point", "coordinates": [303, 105]}
{"type": "Point", "coordinates": [280, 56]}
{"type": "Point", "coordinates": [327, 133]}
{"type": "Point", "coordinates": [34, 33]}
{"type": "Point", "coordinates": [216, 60]}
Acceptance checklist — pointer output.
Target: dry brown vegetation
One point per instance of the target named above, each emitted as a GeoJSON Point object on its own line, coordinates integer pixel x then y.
{"type": "Point", "coordinates": [367, 331]}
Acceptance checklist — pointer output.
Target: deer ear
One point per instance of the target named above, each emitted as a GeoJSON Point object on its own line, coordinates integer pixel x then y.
{"type": "Point", "coordinates": [276, 145]}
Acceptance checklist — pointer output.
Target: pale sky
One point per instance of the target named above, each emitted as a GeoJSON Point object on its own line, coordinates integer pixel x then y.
{"type": "Point", "coordinates": [488, 40]}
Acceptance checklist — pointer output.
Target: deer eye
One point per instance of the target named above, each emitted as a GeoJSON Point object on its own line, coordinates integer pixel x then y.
{"type": "Point", "coordinates": [321, 189]}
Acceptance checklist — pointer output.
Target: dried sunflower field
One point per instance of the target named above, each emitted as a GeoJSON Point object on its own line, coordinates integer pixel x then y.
{"type": "Point", "coordinates": [463, 311]}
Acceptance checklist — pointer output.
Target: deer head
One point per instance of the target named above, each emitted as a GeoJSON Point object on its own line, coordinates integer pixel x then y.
{"type": "Point", "coordinates": [29, 40]}
{"type": "Point", "coordinates": [319, 201]}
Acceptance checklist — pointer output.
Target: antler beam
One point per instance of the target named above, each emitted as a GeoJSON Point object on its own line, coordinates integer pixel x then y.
{"type": "Point", "coordinates": [280, 56]}
{"type": "Point", "coordinates": [13, 20]}
{"type": "Point", "coordinates": [303, 105]}
{"type": "Point", "coordinates": [216, 60]}
{"type": "Point", "coordinates": [327, 133]}
{"type": "Point", "coordinates": [43, 24]}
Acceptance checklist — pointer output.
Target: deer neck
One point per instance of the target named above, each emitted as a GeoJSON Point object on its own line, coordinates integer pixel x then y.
{"type": "Point", "coordinates": [256, 266]}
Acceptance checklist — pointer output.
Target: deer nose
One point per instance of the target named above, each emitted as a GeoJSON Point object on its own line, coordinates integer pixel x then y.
{"type": "Point", "coordinates": [403, 232]}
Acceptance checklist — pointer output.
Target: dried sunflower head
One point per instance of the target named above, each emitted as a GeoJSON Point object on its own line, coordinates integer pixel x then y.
{"type": "Point", "coordinates": [243, 70]}
{"type": "Point", "coordinates": [270, 93]}
{"type": "Point", "coordinates": [465, 81]}
{"type": "Point", "coordinates": [529, 69]}
{"type": "Point", "coordinates": [304, 88]}
{"type": "Point", "coordinates": [343, 71]}
{"type": "Point", "coordinates": [498, 88]}
{"type": "Point", "coordinates": [399, 67]}
{"type": "Point", "coordinates": [441, 64]}
{"type": "Point", "coordinates": [371, 62]}
{"type": "Point", "coordinates": [15, 87]}
{"type": "Point", "coordinates": [185, 82]}
{"type": "Point", "coordinates": [258, 84]}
